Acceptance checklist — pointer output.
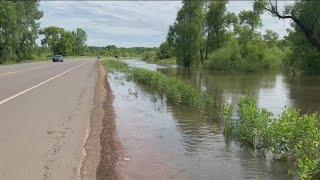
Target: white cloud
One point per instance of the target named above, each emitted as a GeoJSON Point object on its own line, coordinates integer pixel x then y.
{"type": "Point", "coordinates": [127, 23]}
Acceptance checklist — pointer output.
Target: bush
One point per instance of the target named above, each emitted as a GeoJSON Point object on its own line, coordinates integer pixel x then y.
{"type": "Point", "coordinates": [250, 57]}
{"type": "Point", "coordinates": [225, 58]}
{"type": "Point", "coordinates": [292, 136]}
{"type": "Point", "coordinates": [253, 125]}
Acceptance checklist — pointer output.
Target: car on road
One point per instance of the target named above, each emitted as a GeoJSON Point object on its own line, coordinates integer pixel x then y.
{"type": "Point", "coordinates": [57, 58]}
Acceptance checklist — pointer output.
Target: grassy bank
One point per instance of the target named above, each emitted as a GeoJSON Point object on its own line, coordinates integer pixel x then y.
{"type": "Point", "coordinates": [112, 65]}
{"type": "Point", "coordinates": [176, 90]}
{"type": "Point", "coordinates": [290, 136]}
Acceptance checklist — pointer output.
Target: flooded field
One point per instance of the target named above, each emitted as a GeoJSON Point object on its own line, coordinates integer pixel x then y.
{"type": "Point", "coordinates": [164, 141]}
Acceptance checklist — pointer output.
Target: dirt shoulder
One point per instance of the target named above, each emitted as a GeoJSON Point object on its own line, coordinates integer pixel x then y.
{"type": "Point", "coordinates": [103, 149]}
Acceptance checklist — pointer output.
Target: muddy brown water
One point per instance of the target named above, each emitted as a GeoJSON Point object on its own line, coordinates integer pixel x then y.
{"type": "Point", "coordinates": [163, 141]}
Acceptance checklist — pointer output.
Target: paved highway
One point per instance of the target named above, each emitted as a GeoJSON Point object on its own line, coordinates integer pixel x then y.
{"type": "Point", "coordinates": [44, 118]}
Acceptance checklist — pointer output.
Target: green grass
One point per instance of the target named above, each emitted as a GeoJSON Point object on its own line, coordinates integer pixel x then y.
{"type": "Point", "coordinates": [176, 90]}
{"type": "Point", "coordinates": [168, 61]}
{"type": "Point", "coordinates": [291, 136]}
{"type": "Point", "coordinates": [112, 65]}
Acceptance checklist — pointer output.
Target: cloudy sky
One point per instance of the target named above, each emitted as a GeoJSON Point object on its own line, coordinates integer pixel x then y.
{"type": "Point", "coordinates": [129, 23]}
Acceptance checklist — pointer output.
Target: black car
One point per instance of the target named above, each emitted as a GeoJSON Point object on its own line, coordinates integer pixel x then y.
{"type": "Point", "coordinates": [57, 58]}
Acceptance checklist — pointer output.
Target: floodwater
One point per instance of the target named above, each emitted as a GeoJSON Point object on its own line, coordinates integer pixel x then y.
{"type": "Point", "coordinates": [163, 141]}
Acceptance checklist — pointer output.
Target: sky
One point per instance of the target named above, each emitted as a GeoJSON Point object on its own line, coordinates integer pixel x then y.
{"type": "Point", "coordinates": [130, 23]}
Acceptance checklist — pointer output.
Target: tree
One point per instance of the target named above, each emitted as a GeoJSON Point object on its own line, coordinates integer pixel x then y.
{"type": "Point", "coordinates": [64, 42]}
{"type": "Point", "coordinates": [68, 44]}
{"type": "Point", "coordinates": [216, 23]}
{"type": "Point", "coordinates": [81, 38]}
{"type": "Point", "coordinates": [252, 20]}
{"type": "Point", "coordinates": [270, 37]}
{"type": "Point", "coordinates": [304, 14]}
{"type": "Point", "coordinates": [52, 37]}
{"type": "Point", "coordinates": [188, 32]}
{"type": "Point", "coordinates": [18, 29]}
{"type": "Point", "coordinates": [165, 50]}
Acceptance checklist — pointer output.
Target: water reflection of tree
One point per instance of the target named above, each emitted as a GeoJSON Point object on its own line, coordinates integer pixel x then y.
{"type": "Point", "coordinates": [304, 92]}
{"type": "Point", "coordinates": [222, 84]}
{"type": "Point", "coordinates": [196, 127]}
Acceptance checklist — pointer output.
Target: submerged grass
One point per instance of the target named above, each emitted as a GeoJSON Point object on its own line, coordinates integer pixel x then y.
{"type": "Point", "coordinates": [176, 90]}
{"type": "Point", "coordinates": [292, 136]}
{"type": "Point", "coordinates": [112, 65]}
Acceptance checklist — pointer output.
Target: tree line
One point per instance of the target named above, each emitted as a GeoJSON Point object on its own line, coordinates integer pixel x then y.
{"type": "Point", "coordinates": [205, 33]}
{"type": "Point", "coordinates": [61, 41]}
{"type": "Point", "coordinates": [20, 27]}
{"type": "Point", "coordinates": [113, 51]}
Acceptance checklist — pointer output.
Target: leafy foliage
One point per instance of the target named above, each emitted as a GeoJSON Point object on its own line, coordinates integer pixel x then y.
{"type": "Point", "coordinates": [188, 33]}
{"type": "Point", "coordinates": [18, 29]}
{"type": "Point", "coordinates": [64, 42]}
{"type": "Point", "coordinates": [292, 136]}
{"type": "Point", "coordinates": [305, 36]}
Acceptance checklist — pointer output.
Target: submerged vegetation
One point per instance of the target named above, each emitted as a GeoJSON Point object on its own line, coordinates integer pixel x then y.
{"type": "Point", "coordinates": [291, 136]}
{"type": "Point", "coordinates": [176, 90]}
{"type": "Point", "coordinates": [112, 65]}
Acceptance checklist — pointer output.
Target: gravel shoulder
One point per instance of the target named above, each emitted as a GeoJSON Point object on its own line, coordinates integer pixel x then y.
{"type": "Point", "coordinates": [103, 151]}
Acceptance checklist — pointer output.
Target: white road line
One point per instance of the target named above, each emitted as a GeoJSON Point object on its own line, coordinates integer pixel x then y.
{"type": "Point", "coordinates": [14, 72]}
{"type": "Point", "coordinates": [40, 84]}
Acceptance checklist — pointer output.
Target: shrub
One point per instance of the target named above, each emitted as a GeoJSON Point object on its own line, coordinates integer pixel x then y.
{"type": "Point", "coordinates": [292, 136]}
{"type": "Point", "coordinates": [224, 58]}
{"type": "Point", "coordinates": [253, 124]}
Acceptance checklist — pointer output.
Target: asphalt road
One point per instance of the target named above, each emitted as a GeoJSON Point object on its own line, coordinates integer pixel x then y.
{"type": "Point", "coordinates": [44, 118]}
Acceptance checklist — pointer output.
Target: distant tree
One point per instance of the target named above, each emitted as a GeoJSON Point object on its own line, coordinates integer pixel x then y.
{"type": "Point", "coordinates": [188, 32]}
{"type": "Point", "coordinates": [68, 44]}
{"type": "Point", "coordinates": [80, 38]}
{"type": "Point", "coordinates": [251, 20]}
{"type": "Point", "coordinates": [52, 37]}
{"type": "Point", "coordinates": [216, 23]}
{"type": "Point", "coordinates": [165, 50]}
{"type": "Point", "coordinates": [271, 37]}
{"type": "Point", "coordinates": [18, 29]}
{"type": "Point", "coordinates": [64, 42]}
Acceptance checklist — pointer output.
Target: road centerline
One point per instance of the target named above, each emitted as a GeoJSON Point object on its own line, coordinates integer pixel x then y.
{"type": "Point", "coordinates": [39, 84]}
{"type": "Point", "coordinates": [25, 70]}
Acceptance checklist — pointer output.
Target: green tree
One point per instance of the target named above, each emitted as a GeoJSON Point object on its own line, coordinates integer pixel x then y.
{"type": "Point", "coordinates": [52, 37]}
{"type": "Point", "coordinates": [271, 37]}
{"type": "Point", "coordinates": [306, 34]}
{"type": "Point", "coordinates": [18, 29]}
{"type": "Point", "coordinates": [216, 23]}
{"type": "Point", "coordinates": [67, 44]}
{"type": "Point", "coordinates": [64, 42]}
{"type": "Point", "coordinates": [81, 38]}
{"type": "Point", "coordinates": [165, 50]}
{"type": "Point", "coordinates": [188, 32]}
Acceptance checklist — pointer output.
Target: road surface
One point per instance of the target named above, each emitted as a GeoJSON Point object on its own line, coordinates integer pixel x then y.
{"type": "Point", "coordinates": [44, 118]}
